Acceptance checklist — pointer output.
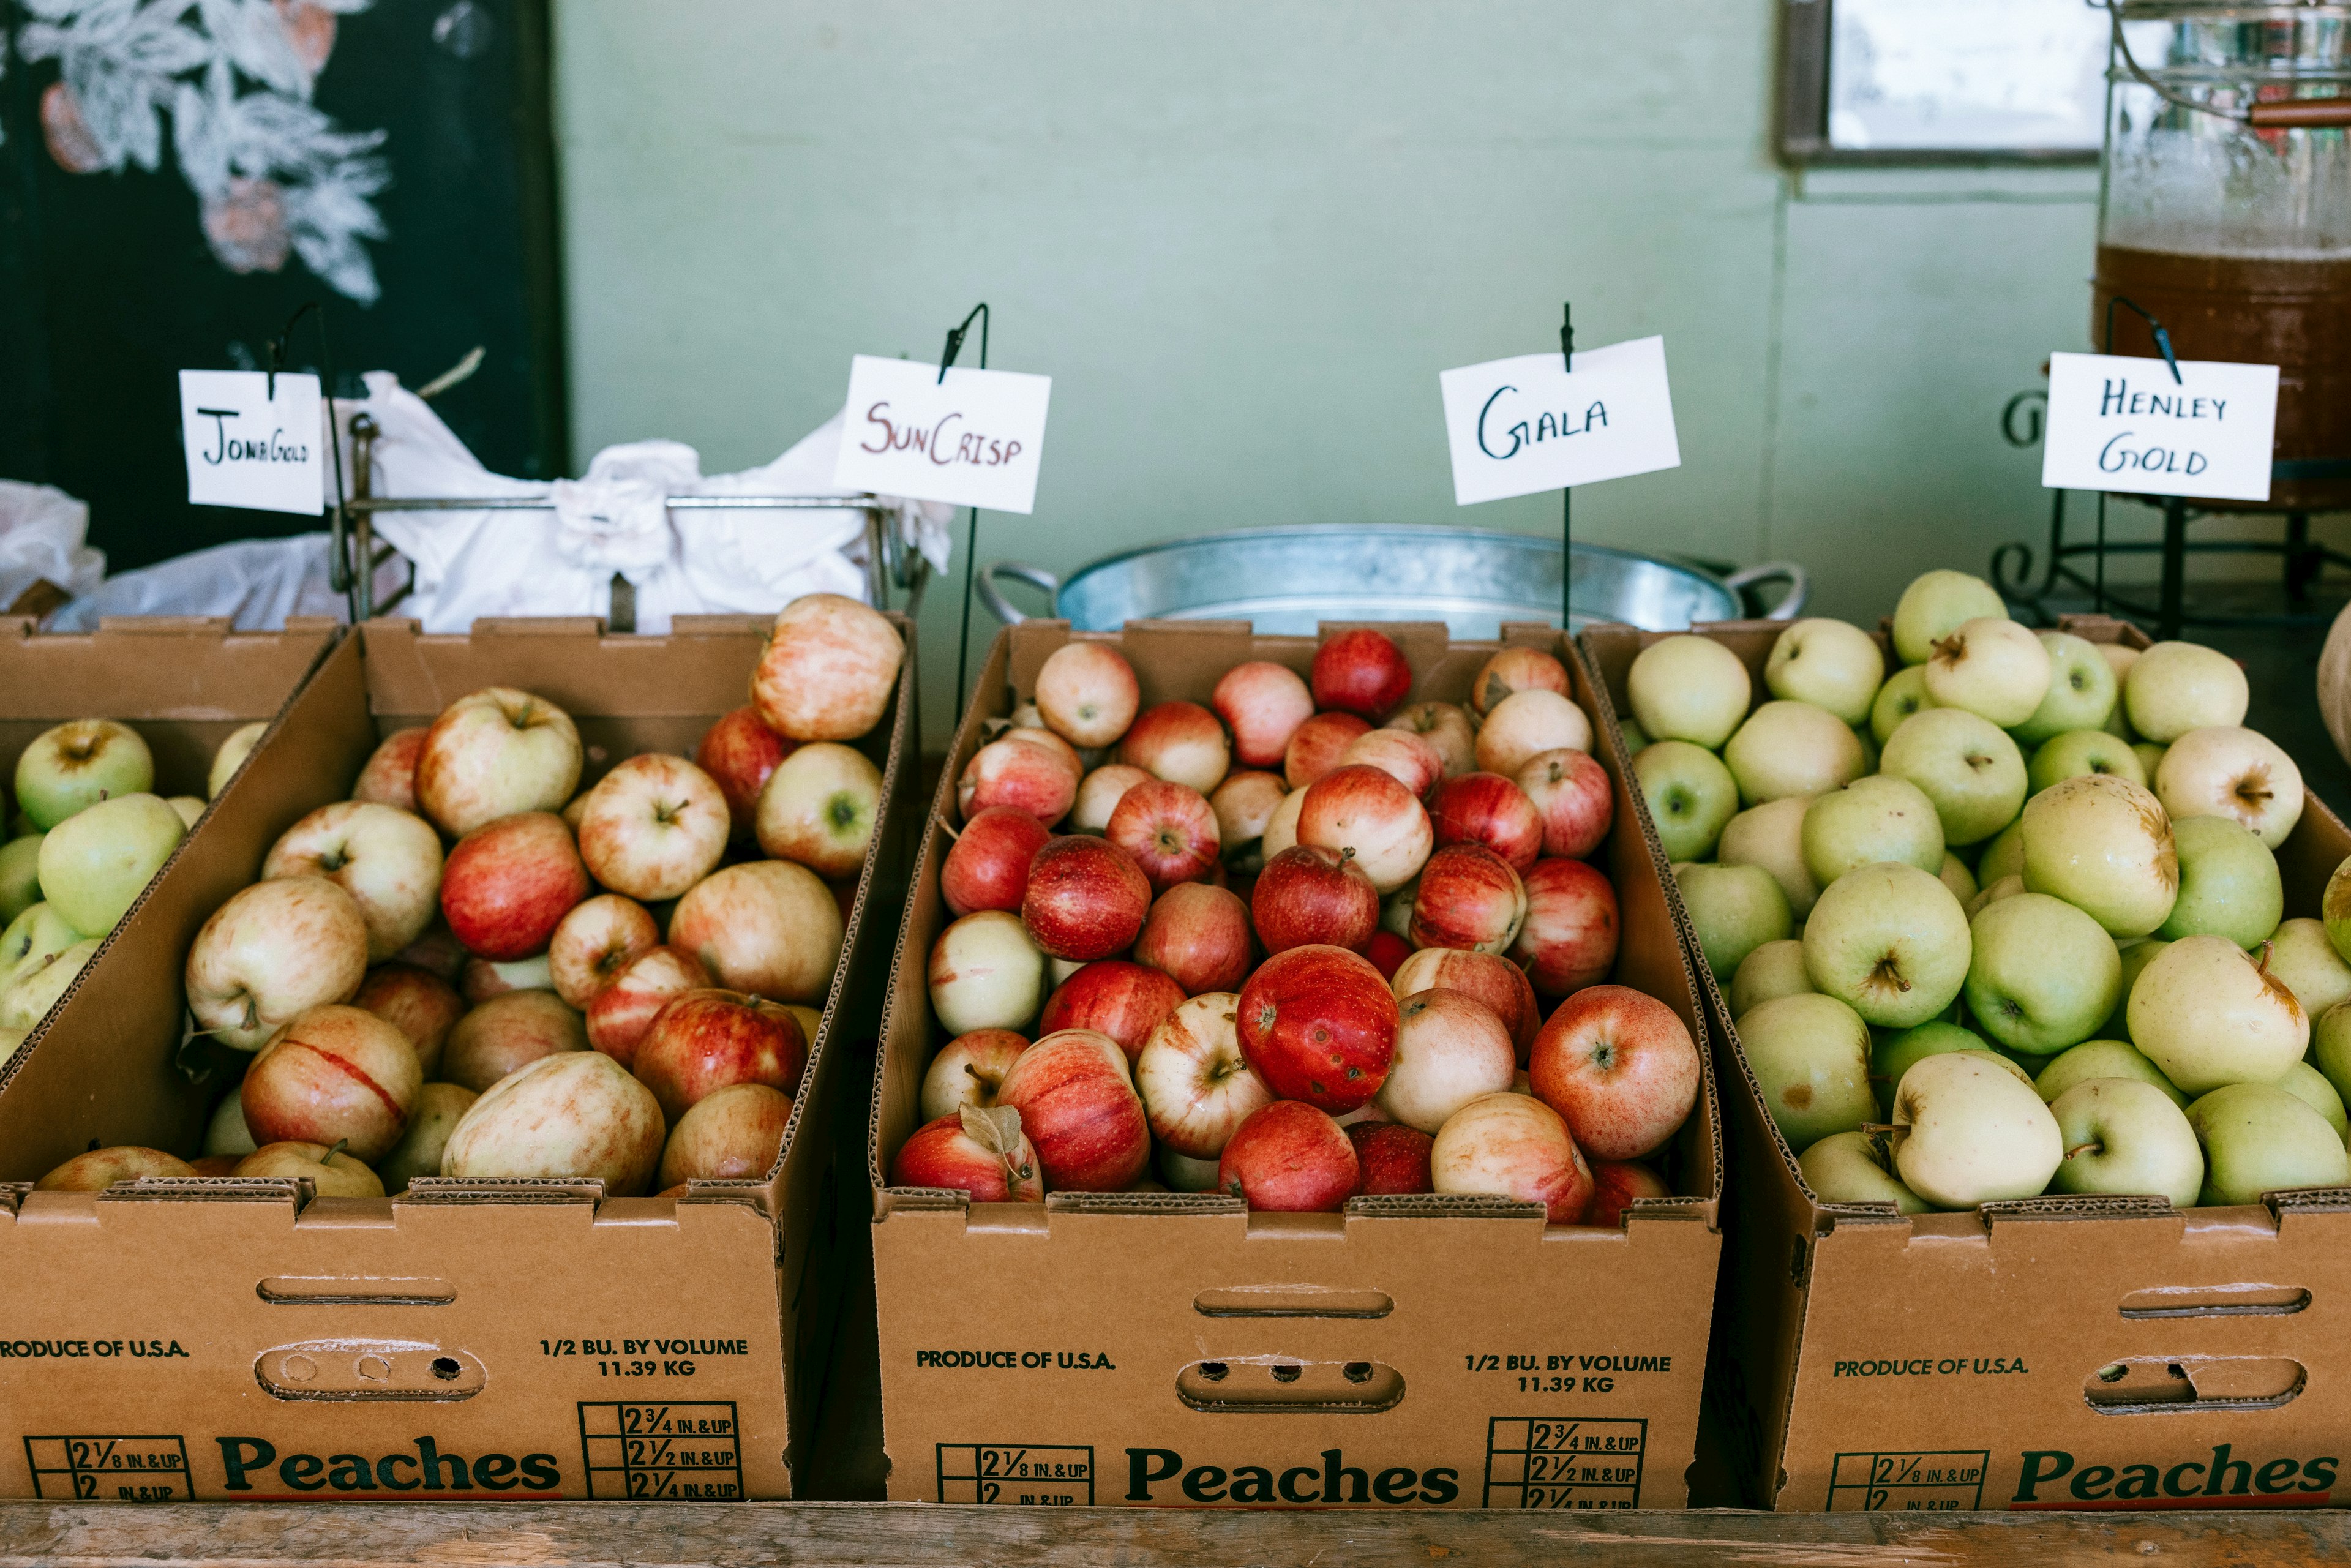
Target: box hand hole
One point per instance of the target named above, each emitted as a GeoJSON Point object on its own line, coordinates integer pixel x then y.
{"type": "Point", "coordinates": [1284, 1386]}
{"type": "Point", "coordinates": [354, 1290]}
{"type": "Point", "coordinates": [2215, 1300]}
{"type": "Point", "coordinates": [2140, 1384]}
{"type": "Point", "coordinates": [349, 1371]}
{"type": "Point", "coordinates": [1292, 1302]}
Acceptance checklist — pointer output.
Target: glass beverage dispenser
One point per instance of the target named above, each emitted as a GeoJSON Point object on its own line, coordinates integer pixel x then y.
{"type": "Point", "coordinates": [2225, 210]}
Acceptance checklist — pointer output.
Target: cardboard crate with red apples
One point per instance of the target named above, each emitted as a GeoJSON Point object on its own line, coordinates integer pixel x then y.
{"type": "Point", "coordinates": [543, 1322]}
{"type": "Point", "coordinates": [1273, 1310]}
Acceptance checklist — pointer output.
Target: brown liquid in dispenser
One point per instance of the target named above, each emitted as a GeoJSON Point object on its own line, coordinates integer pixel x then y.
{"type": "Point", "coordinates": [2288, 311]}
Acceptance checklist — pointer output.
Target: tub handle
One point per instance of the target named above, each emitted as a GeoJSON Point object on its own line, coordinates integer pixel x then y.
{"type": "Point", "coordinates": [1791, 602]}
{"type": "Point", "coordinates": [1037, 576]}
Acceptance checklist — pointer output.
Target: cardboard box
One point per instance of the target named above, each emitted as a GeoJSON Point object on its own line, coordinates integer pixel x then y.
{"type": "Point", "coordinates": [247, 1341]}
{"type": "Point", "coordinates": [1176, 1350]}
{"type": "Point", "coordinates": [2074, 1353]}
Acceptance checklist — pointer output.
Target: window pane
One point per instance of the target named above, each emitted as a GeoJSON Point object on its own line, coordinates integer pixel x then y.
{"type": "Point", "coordinates": [1962, 74]}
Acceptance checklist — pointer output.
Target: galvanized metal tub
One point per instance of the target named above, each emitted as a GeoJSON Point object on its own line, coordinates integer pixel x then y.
{"type": "Point", "coordinates": [1287, 580]}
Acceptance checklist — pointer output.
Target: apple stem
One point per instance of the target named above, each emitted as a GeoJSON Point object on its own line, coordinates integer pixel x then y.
{"type": "Point", "coordinates": [2089, 1148]}
{"type": "Point", "coordinates": [947, 828]}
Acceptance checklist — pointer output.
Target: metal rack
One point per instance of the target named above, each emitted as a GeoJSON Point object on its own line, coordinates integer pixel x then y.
{"type": "Point", "coordinates": [354, 556]}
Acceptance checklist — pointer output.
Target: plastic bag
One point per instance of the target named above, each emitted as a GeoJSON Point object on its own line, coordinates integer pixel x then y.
{"type": "Point", "coordinates": [41, 534]}
{"type": "Point", "coordinates": [256, 582]}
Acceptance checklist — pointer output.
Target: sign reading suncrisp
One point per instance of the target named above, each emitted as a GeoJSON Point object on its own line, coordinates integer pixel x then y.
{"type": "Point", "coordinates": [2123, 423]}
{"type": "Point", "coordinates": [1522, 425]}
{"type": "Point", "coordinates": [974, 439]}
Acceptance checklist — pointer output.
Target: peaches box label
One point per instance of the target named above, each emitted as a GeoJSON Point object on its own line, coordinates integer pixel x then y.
{"type": "Point", "coordinates": [975, 438]}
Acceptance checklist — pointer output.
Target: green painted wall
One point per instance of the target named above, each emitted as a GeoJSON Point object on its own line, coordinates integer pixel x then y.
{"type": "Point", "coordinates": [1244, 235]}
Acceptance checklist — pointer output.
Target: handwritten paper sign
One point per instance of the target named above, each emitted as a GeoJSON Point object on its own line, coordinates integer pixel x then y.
{"type": "Point", "coordinates": [248, 448]}
{"type": "Point", "coordinates": [2122, 423]}
{"type": "Point", "coordinates": [974, 440]}
{"type": "Point", "coordinates": [1518, 426]}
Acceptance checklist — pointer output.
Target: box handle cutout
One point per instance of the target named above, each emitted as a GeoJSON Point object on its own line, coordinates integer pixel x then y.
{"type": "Point", "coordinates": [340, 1290]}
{"type": "Point", "coordinates": [1278, 1386]}
{"type": "Point", "coordinates": [2142, 1385]}
{"type": "Point", "coordinates": [1292, 1302]}
{"type": "Point", "coordinates": [350, 1371]}
{"type": "Point", "coordinates": [2215, 1301]}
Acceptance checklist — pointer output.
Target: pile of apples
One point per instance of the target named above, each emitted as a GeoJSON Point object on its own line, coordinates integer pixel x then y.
{"type": "Point", "coordinates": [471, 970]}
{"type": "Point", "coordinates": [91, 834]}
{"type": "Point", "coordinates": [1311, 976]}
{"type": "Point", "coordinates": [2008, 921]}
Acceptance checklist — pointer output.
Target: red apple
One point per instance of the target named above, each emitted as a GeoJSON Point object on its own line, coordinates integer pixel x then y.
{"type": "Point", "coordinates": [1446, 728]}
{"type": "Point", "coordinates": [738, 752]}
{"type": "Point", "coordinates": [1319, 1024]}
{"type": "Point", "coordinates": [1010, 772]}
{"type": "Point", "coordinates": [1568, 939]}
{"type": "Point", "coordinates": [1449, 1049]}
{"type": "Point", "coordinates": [619, 1015]}
{"type": "Point", "coordinates": [1308, 895]}
{"type": "Point", "coordinates": [1388, 951]}
{"type": "Point", "coordinates": [988, 865]}
{"type": "Point", "coordinates": [417, 1002]}
{"type": "Point", "coordinates": [1619, 1067]}
{"type": "Point", "coordinates": [1393, 1157]}
{"type": "Point", "coordinates": [1360, 671]}
{"type": "Point", "coordinates": [507, 1033]}
{"type": "Point", "coordinates": [1044, 739]}
{"type": "Point", "coordinates": [1245, 805]}
{"type": "Point", "coordinates": [1170, 830]}
{"type": "Point", "coordinates": [1315, 749]}
{"type": "Point", "coordinates": [1112, 997]}
{"type": "Point", "coordinates": [575, 1115]}
{"type": "Point", "coordinates": [1196, 1086]}
{"type": "Point", "coordinates": [99, 1170]}
{"type": "Point", "coordinates": [1263, 703]}
{"type": "Point", "coordinates": [507, 884]}
{"type": "Point", "coordinates": [1487, 809]}
{"type": "Point", "coordinates": [734, 1134]}
{"type": "Point", "coordinates": [1497, 982]}
{"type": "Point", "coordinates": [1099, 793]}
{"type": "Point", "coordinates": [1199, 936]}
{"type": "Point", "coordinates": [1412, 761]}
{"type": "Point", "coordinates": [770, 927]}
{"type": "Point", "coordinates": [1078, 1107]}
{"type": "Point", "coordinates": [704, 1041]}
{"type": "Point", "coordinates": [1615, 1184]}
{"type": "Point", "coordinates": [333, 1075]}
{"type": "Point", "coordinates": [1289, 1158]}
{"type": "Point", "coordinates": [980, 1152]}
{"type": "Point", "coordinates": [984, 973]}
{"type": "Point", "coordinates": [482, 979]}
{"type": "Point", "coordinates": [1513, 1146]}
{"type": "Point", "coordinates": [1086, 899]}
{"type": "Point", "coordinates": [1180, 742]}
{"type": "Point", "coordinates": [1515, 670]}
{"type": "Point", "coordinates": [388, 779]}
{"type": "Point", "coordinates": [1087, 693]}
{"type": "Point", "coordinates": [1572, 796]}
{"type": "Point", "coordinates": [968, 1069]}
{"type": "Point", "coordinates": [1468, 898]}
{"type": "Point", "coordinates": [218, 1166]}
{"type": "Point", "coordinates": [1369, 814]}
{"type": "Point", "coordinates": [830, 665]}
{"type": "Point", "coordinates": [494, 753]}
{"type": "Point", "coordinates": [595, 942]}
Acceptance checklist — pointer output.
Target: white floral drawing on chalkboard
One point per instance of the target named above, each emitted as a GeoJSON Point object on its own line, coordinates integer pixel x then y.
{"type": "Point", "coordinates": [234, 76]}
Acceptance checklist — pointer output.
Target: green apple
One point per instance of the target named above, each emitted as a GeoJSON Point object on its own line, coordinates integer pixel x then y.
{"type": "Point", "coordinates": [1879, 817]}
{"type": "Point", "coordinates": [2258, 1138]}
{"type": "Point", "coordinates": [1772, 971]}
{"type": "Point", "coordinates": [75, 764]}
{"type": "Point", "coordinates": [190, 807]}
{"type": "Point", "coordinates": [1792, 748]}
{"type": "Point", "coordinates": [38, 934]}
{"type": "Point", "coordinates": [2137, 956]}
{"type": "Point", "coordinates": [20, 876]}
{"type": "Point", "coordinates": [1991, 893]}
{"type": "Point", "coordinates": [1846, 1167]}
{"type": "Point", "coordinates": [2101, 1059]}
{"type": "Point", "coordinates": [1830, 663]}
{"type": "Point", "coordinates": [1869, 753]}
{"type": "Point", "coordinates": [1990, 666]}
{"type": "Point", "coordinates": [2207, 1013]}
{"type": "Point", "coordinates": [1934, 606]}
{"type": "Point", "coordinates": [2330, 1046]}
{"type": "Point", "coordinates": [1635, 738]}
{"type": "Point", "coordinates": [1904, 694]}
{"type": "Point", "coordinates": [232, 755]}
{"type": "Point", "coordinates": [2312, 1087]}
{"type": "Point", "coordinates": [1954, 876]}
{"type": "Point", "coordinates": [36, 984]}
{"type": "Point", "coordinates": [2240, 774]}
{"type": "Point", "coordinates": [2124, 1134]}
{"type": "Point", "coordinates": [2150, 757]}
{"type": "Point", "coordinates": [1890, 942]}
{"type": "Point", "coordinates": [2174, 687]}
{"type": "Point", "coordinates": [2119, 658]}
{"type": "Point", "coordinates": [1772, 836]}
{"type": "Point", "coordinates": [2080, 751]}
{"type": "Point", "coordinates": [2004, 856]}
{"type": "Point", "coordinates": [1687, 687]}
{"type": "Point", "coordinates": [2043, 976]}
{"type": "Point", "coordinates": [1897, 1050]}
{"type": "Point", "coordinates": [2335, 907]}
{"type": "Point", "coordinates": [2301, 956]}
{"type": "Point", "coordinates": [1967, 1131]}
{"type": "Point", "coordinates": [1691, 794]}
{"type": "Point", "coordinates": [2229, 884]}
{"type": "Point", "coordinates": [2081, 694]}
{"type": "Point", "coordinates": [1733, 910]}
{"type": "Point", "coordinates": [1810, 1055]}
{"type": "Point", "coordinates": [1968, 767]}
{"type": "Point", "coordinates": [10, 1038]}
{"type": "Point", "coordinates": [2104, 845]}
{"type": "Point", "coordinates": [96, 863]}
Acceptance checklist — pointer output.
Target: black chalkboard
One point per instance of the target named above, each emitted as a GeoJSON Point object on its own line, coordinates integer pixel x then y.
{"type": "Point", "coordinates": [114, 277]}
